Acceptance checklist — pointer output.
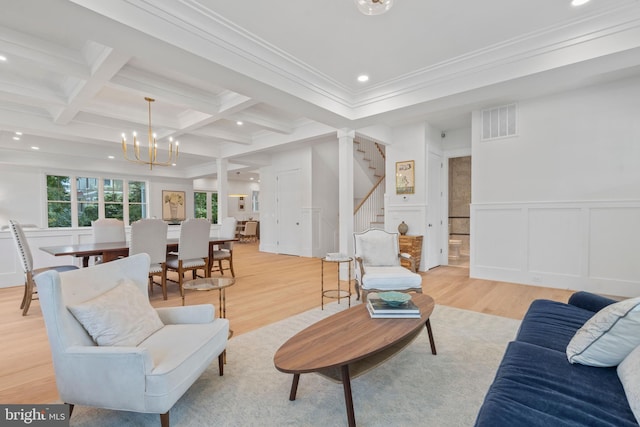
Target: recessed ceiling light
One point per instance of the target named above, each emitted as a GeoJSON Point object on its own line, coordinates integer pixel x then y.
{"type": "Point", "coordinates": [3, 58]}
{"type": "Point", "coordinates": [578, 2]}
{"type": "Point", "coordinates": [363, 78]}
{"type": "Point", "coordinates": [112, 157]}
{"type": "Point", "coordinates": [251, 178]}
{"type": "Point", "coordinates": [239, 122]}
{"type": "Point", "coordinates": [16, 138]}
{"type": "Point", "coordinates": [18, 133]}
{"type": "Point", "coordinates": [35, 148]}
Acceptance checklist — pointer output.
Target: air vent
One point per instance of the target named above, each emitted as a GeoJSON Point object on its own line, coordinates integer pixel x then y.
{"type": "Point", "coordinates": [499, 122]}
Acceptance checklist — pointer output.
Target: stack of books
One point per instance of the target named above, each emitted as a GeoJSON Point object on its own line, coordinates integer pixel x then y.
{"type": "Point", "coordinates": [378, 309]}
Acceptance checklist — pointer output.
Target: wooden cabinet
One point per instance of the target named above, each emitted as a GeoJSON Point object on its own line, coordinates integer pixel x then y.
{"type": "Point", "coordinates": [413, 246]}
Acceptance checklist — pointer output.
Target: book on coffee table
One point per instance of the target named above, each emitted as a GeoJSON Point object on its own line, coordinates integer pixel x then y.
{"type": "Point", "coordinates": [379, 306]}
{"type": "Point", "coordinates": [399, 314]}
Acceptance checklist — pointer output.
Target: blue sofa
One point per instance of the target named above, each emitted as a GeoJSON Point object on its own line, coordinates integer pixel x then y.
{"type": "Point", "coordinates": [536, 385]}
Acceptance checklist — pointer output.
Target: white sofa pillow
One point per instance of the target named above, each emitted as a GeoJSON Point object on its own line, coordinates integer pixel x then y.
{"type": "Point", "coordinates": [122, 316]}
{"type": "Point", "coordinates": [629, 374]}
{"type": "Point", "coordinates": [608, 337]}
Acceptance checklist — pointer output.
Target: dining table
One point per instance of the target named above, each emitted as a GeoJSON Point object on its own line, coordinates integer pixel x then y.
{"type": "Point", "coordinates": [113, 250]}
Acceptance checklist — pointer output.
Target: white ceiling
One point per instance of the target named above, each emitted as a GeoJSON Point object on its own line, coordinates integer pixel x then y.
{"type": "Point", "coordinates": [77, 71]}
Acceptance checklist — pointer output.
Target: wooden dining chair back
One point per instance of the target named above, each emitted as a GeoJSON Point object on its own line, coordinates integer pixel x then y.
{"type": "Point", "coordinates": [249, 234]}
{"type": "Point", "coordinates": [26, 260]}
{"type": "Point", "coordinates": [193, 249]}
{"type": "Point", "coordinates": [150, 236]}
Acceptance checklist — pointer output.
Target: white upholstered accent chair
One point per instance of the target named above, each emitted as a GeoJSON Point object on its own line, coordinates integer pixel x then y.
{"type": "Point", "coordinates": [107, 230]}
{"type": "Point", "coordinates": [193, 249]}
{"type": "Point", "coordinates": [224, 252]}
{"type": "Point", "coordinates": [378, 268]}
{"type": "Point", "coordinates": [150, 236]}
{"type": "Point", "coordinates": [148, 377]}
{"type": "Point", "coordinates": [24, 253]}
{"type": "Point", "coordinates": [250, 232]}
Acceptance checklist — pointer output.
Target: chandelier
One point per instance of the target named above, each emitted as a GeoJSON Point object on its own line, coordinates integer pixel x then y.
{"type": "Point", "coordinates": [374, 7]}
{"type": "Point", "coordinates": [153, 147]}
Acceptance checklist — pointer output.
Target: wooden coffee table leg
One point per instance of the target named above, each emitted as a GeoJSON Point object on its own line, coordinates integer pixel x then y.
{"type": "Point", "coordinates": [431, 341]}
{"type": "Point", "coordinates": [294, 387]}
{"type": "Point", "coordinates": [348, 399]}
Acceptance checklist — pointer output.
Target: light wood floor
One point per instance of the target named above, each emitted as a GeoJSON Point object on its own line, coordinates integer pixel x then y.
{"type": "Point", "coordinates": [268, 288]}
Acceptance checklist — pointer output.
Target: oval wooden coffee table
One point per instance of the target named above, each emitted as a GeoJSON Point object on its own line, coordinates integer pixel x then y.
{"type": "Point", "coordinates": [350, 343]}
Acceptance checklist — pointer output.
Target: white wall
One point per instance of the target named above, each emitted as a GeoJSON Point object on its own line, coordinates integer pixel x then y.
{"type": "Point", "coordinates": [318, 210]}
{"type": "Point", "coordinates": [559, 204]}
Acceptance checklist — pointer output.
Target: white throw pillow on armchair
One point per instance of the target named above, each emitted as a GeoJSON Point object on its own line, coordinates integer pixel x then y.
{"type": "Point", "coordinates": [122, 316]}
{"type": "Point", "coordinates": [629, 374]}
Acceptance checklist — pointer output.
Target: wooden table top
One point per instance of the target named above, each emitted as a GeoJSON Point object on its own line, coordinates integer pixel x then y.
{"type": "Point", "coordinates": [347, 337]}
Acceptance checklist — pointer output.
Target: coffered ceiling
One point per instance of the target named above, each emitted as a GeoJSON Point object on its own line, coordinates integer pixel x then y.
{"type": "Point", "coordinates": [76, 72]}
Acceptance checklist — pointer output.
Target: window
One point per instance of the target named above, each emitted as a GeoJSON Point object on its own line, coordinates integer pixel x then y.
{"type": "Point", "coordinates": [200, 205]}
{"type": "Point", "coordinates": [137, 200]}
{"type": "Point", "coordinates": [254, 201]}
{"type": "Point", "coordinates": [87, 196]}
{"type": "Point", "coordinates": [204, 210]}
{"type": "Point", "coordinates": [58, 201]}
{"type": "Point", "coordinates": [77, 201]}
{"type": "Point", "coordinates": [113, 198]}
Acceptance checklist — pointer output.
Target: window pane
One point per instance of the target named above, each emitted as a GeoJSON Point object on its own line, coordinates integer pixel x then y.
{"type": "Point", "coordinates": [114, 210]}
{"type": "Point", "coordinates": [59, 214]}
{"type": "Point", "coordinates": [87, 212]}
{"type": "Point", "coordinates": [113, 190]}
{"type": "Point", "coordinates": [137, 200]}
{"type": "Point", "coordinates": [58, 201]}
{"type": "Point", "coordinates": [214, 208]}
{"type": "Point", "coordinates": [87, 189]}
{"type": "Point", "coordinates": [200, 204]}
{"type": "Point", "coordinates": [58, 188]}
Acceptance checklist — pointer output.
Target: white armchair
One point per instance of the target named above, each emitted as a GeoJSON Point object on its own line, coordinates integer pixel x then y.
{"type": "Point", "coordinates": [378, 268]}
{"type": "Point", "coordinates": [148, 377]}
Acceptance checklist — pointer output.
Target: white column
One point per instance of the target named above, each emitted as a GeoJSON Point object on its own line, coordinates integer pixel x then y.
{"type": "Point", "coordinates": [223, 189]}
{"type": "Point", "coordinates": [345, 195]}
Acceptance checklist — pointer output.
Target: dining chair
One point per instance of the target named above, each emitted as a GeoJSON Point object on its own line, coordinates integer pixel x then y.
{"type": "Point", "coordinates": [378, 267]}
{"type": "Point", "coordinates": [224, 252]}
{"type": "Point", "coordinates": [249, 234]}
{"type": "Point", "coordinates": [150, 236]}
{"type": "Point", "coordinates": [24, 252]}
{"type": "Point", "coordinates": [193, 249]}
{"type": "Point", "coordinates": [107, 230]}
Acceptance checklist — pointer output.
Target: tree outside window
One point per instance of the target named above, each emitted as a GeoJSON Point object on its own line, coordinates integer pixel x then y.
{"type": "Point", "coordinates": [113, 198]}
{"type": "Point", "coordinates": [58, 201]}
{"type": "Point", "coordinates": [200, 208]}
{"type": "Point", "coordinates": [87, 196]}
{"type": "Point", "coordinates": [137, 201]}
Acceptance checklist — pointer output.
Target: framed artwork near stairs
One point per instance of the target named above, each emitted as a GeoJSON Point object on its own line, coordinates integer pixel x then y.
{"type": "Point", "coordinates": [405, 177]}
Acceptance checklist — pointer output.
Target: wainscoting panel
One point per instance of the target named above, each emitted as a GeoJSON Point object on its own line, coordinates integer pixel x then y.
{"type": "Point", "coordinates": [614, 246]}
{"type": "Point", "coordinates": [555, 241]}
{"type": "Point", "coordinates": [500, 231]}
{"type": "Point", "coordinates": [590, 246]}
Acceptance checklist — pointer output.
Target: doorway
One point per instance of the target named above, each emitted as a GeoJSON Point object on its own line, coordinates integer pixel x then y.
{"type": "Point", "coordinates": [459, 210]}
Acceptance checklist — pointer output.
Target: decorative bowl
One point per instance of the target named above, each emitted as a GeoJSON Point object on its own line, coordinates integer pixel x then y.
{"type": "Point", "coordinates": [394, 298]}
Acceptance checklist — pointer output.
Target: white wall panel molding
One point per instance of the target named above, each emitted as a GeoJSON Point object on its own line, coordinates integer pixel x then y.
{"type": "Point", "coordinates": [578, 245]}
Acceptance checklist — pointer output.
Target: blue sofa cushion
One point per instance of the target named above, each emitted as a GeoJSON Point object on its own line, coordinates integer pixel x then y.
{"type": "Point", "coordinates": [552, 324]}
{"type": "Point", "coordinates": [536, 386]}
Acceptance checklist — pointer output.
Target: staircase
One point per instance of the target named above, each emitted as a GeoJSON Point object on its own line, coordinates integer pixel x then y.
{"type": "Point", "coordinates": [369, 211]}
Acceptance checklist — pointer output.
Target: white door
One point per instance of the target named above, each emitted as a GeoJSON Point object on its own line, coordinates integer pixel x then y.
{"type": "Point", "coordinates": [434, 221]}
{"type": "Point", "coordinates": [288, 207]}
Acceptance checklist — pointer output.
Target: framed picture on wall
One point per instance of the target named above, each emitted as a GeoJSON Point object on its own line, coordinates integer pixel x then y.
{"type": "Point", "coordinates": [241, 202]}
{"type": "Point", "coordinates": [405, 177]}
{"type": "Point", "coordinates": [173, 206]}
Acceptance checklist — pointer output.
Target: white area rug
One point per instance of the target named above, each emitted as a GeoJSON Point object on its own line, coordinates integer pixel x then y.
{"type": "Point", "coordinates": [414, 388]}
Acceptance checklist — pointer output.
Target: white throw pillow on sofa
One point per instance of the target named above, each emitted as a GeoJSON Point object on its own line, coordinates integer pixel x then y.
{"type": "Point", "coordinates": [122, 316]}
{"type": "Point", "coordinates": [629, 374]}
{"type": "Point", "coordinates": [608, 337]}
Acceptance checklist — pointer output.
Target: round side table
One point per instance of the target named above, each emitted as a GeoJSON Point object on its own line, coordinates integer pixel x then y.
{"type": "Point", "coordinates": [336, 293]}
{"type": "Point", "coordinates": [210, 284]}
